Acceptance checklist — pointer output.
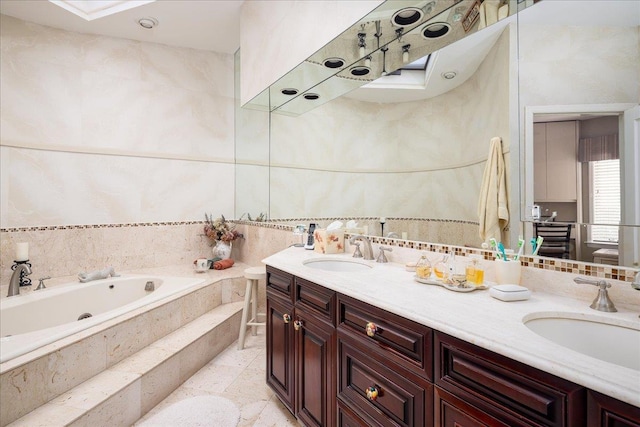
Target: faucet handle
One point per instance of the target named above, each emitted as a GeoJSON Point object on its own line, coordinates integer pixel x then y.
{"type": "Point", "coordinates": [381, 256]}
{"type": "Point", "coordinates": [602, 301]}
{"type": "Point", "coordinates": [41, 284]}
{"type": "Point", "coordinates": [357, 253]}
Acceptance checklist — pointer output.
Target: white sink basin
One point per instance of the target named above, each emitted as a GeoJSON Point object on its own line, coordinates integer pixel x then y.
{"type": "Point", "coordinates": [613, 343]}
{"type": "Point", "coordinates": [339, 265]}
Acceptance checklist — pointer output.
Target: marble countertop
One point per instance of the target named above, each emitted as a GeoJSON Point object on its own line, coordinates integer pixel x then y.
{"type": "Point", "coordinates": [478, 318]}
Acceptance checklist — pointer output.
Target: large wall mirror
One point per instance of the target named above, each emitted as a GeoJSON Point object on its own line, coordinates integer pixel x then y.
{"type": "Point", "coordinates": [414, 145]}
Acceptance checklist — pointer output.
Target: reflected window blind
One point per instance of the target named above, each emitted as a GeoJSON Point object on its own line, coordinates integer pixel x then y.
{"type": "Point", "coordinates": [598, 148]}
{"type": "Point", "coordinates": [605, 181]}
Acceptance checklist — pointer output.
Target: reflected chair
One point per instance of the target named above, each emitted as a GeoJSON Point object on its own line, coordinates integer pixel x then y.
{"type": "Point", "coordinates": [556, 243]}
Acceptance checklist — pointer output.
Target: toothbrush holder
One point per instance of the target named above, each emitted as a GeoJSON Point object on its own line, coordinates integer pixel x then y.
{"type": "Point", "coordinates": [508, 272]}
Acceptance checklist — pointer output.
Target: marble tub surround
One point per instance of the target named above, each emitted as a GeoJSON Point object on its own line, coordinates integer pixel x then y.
{"type": "Point", "coordinates": [35, 378]}
{"type": "Point", "coordinates": [479, 319]}
{"type": "Point", "coordinates": [61, 251]}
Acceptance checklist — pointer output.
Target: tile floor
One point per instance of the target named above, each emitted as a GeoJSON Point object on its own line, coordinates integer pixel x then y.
{"type": "Point", "coordinates": [237, 375]}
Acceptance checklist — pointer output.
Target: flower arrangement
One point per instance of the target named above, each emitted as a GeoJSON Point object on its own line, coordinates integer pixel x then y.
{"type": "Point", "coordinates": [220, 229]}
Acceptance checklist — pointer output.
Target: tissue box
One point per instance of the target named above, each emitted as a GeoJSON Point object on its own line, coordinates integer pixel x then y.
{"type": "Point", "coordinates": [329, 242]}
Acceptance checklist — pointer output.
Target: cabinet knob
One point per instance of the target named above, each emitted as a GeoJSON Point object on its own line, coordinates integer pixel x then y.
{"type": "Point", "coordinates": [286, 318]}
{"type": "Point", "coordinates": [372, 393]}
{"type": "Point", "coordinates": [297, 324]}
{"type": "Point", "coordinates": [371, 329]}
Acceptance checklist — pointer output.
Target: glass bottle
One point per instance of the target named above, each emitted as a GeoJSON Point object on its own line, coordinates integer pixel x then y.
{"type": "Point", "coordinates": [474, 271]}
{"type": "Point", "coordinates": [423, 267]}
{"type": "Point", "coordinates": [440, 268]}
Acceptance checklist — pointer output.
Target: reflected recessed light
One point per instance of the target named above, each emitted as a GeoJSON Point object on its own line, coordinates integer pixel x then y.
{"type": "Point", "coordinates": [359, 71]}
{"type": "Point", "coordinates": [435, 30]}
{"type": "Point", "coordinates": [289, 91]}
{"type": "Point", "coordinates": [90, 10]}
{"type": "Point", "coordinates": [333, 62]}
{"type": "Point", "coordinates": [311, 96]}
{"type": "Point", "coordinates": [448, 75]}
{"type": "Point", "coordinates": [407, 16]}
{"type": "Point", "coordinates": [148, 23]}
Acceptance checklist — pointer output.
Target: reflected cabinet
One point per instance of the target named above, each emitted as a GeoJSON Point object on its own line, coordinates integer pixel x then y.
{"type": "Point", "coordinates": [334, 360]}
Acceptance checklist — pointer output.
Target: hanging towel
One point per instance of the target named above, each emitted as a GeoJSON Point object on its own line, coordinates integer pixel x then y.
{"type": "Point", "coordinates": [493, 211]}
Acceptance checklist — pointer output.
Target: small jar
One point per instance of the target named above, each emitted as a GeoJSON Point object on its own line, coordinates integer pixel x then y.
{"type": "Point", "coordinates": [423, 267]}
{"type": "Point", "coordinates": [474, 271]}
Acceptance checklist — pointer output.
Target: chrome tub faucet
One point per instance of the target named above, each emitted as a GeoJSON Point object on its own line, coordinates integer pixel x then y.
{"type": "Point", "coordinates": [21, 270]}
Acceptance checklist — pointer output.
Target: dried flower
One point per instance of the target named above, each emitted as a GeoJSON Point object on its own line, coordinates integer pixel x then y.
{"type": "Point", "coordinates": [220, 229]}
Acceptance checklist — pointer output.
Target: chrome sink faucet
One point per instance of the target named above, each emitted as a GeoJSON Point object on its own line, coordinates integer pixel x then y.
{"type": "Point", "coordinates": [14, 283]}
{"type": "Point", "coordinates": [602, 301]}
{"type": "Point", "coordinates": [636, 282]}
{"type": "Point", "coordinates": [368, 251]}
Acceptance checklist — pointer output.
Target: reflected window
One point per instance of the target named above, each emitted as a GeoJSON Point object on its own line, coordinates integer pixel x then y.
{"type": "Point", "coordinates": [605, 204]}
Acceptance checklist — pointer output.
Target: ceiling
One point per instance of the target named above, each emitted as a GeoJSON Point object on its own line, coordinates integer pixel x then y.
{"type": "Point", "coordinates": [212, 25]}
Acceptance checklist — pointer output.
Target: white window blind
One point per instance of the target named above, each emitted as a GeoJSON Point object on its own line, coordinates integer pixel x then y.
{"type": "Point", "coordinates": [605, 209]}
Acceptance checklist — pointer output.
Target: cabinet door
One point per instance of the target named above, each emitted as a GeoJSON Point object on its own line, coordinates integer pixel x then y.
{"type": "Point", "coordinates": [604, 411]}
{"type": "Point", "coordinates": [539, 162]}
{"type": "Point", "coordinates": [453, 412]}
{"type": "Point", "coordinates": [280, 349]}
{"type": "Point", "coordinates": [315, 370]}
{"type": "Point", "coordinates": [562, 161]}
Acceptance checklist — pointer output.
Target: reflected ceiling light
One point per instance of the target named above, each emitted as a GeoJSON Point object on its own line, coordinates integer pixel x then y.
{"type": "Point", "coordinates": [407, 16]}
{"type": "Point", "coordinates": [359, 71]}
{"type": "Point", "coordinates": [94, 9]}
{"type": "Point", "coordinates": [333, 62]}
{"type": "Point", "coordinates": [448, 75]}
{"type": "Point", "coordinates": [311, 96]}
{"type": "Point", "coordinates": [405, 53]}
{"type": "Point", "coordinates": [289, 91]}
{"type": "Point", "coordinates": [148, 23]}
{"type": "Point", "coordinates": [384, 61]}
{"type": "Point", "coordinates": [435, 30]}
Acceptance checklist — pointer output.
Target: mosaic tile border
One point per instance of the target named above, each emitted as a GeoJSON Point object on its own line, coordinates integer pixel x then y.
{"type": "Point", "coordinates": [89, 226]}
{"type": "Point", "coordinates": [625, 274]}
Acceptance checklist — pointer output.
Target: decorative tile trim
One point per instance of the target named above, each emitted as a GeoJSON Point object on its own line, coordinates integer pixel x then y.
{"type": "Point", "coordinates": [89, 226]}
{"type": "Point", "coordinates": [625, 274]}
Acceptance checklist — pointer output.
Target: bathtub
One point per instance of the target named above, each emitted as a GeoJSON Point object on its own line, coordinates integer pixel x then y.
{"type": "Point", "coordinates": [30, 321]}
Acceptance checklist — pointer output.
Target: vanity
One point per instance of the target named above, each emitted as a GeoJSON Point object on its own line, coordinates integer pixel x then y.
{"type": "Point", "coordinates": [374, 347]}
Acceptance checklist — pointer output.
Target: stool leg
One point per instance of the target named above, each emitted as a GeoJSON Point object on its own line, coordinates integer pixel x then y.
{"type": "Point", "coordinates": [245, 313]}
{"type": "Point", "coordinates": [254, 306]}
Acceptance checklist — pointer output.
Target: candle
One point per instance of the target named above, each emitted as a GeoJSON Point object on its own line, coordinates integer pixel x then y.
{"type": "Point", "coordinates": [383, 219]}
{"type": "Point", "coordinates": [22, 251]}
{"type": "Point", "coordinates": [365, 229]}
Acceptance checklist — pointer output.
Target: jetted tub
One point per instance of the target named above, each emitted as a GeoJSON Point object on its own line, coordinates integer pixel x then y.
{"type": "Point", "coordinates": [30, 321]}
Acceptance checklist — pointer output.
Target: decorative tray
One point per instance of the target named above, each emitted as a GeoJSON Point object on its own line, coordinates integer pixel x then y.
{"type": "Point", "coordinates": [463, 287]}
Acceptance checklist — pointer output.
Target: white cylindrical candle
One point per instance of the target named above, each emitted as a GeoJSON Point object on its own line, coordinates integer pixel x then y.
{"type": "Point", "coordinates": [365, 229]}
{"type": "Point", "coordinates": [22, 251]}
{"type": "Point", "coordinates": [404, 235]}
{"type": "Point", "coordinates": [383, 219]}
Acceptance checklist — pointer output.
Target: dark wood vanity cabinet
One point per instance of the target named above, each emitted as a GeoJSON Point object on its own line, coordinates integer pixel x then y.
{"type": "Point", "coordinates": [301, 340]}
{"type": "Point", "coordinates": [335, 360]}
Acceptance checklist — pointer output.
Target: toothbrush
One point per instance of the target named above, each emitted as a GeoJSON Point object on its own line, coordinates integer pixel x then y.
{"type": "Point", "coordinates": [520, 248]}
{"type": "Point", "coordinates": [501, 249]}
{"type": "Point", "coordinates": [538, 244]}
{"type": "Point", "coordinates": [533, 245]}
{"type": "Point", "coordinates": [494, 247]}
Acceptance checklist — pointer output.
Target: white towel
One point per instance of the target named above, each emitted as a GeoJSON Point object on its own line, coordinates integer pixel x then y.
{"type": "Point", "coordinates": [493, 211]}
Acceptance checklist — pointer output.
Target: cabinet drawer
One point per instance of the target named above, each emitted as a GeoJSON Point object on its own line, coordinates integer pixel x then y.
{"type": "Point", "coordinates": [399, 401]}
{"type": "Point", "coordinates": [453, 412]}
{"type": "Point", "coordinates": [280, 283]}
{"type": "Point", "coordinates": [404, 341]}
{"type": "Point", "coordinates": [506, 389]}
{"type": "Point", "coordinates": [320, 300]}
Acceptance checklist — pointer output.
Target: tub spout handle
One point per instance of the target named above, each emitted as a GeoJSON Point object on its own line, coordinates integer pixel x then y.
{"type": "Point", "coordinates": [41, 284]}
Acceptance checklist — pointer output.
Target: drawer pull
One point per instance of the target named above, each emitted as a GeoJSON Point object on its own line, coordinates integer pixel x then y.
{"type": "Point", "coordinates": [371, 329]}
{"type": "Point", "coordinates": [286, 318]}
{"type": "Point", "coordinates": [372, 393]}
{"type": "Point", "coordinates": [297, 324]}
